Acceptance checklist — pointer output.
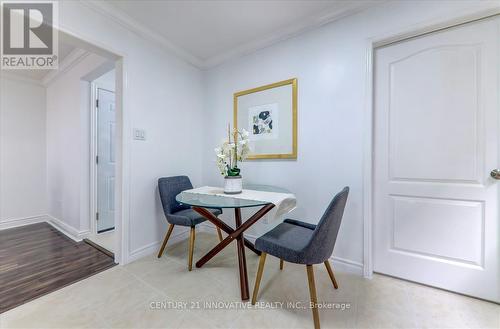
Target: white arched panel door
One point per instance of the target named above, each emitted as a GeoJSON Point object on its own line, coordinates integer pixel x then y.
{"type": "Point", "coordinates": [436, 218]}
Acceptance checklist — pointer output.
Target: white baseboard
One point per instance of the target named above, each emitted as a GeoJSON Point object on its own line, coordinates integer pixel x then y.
{"type": "Point", "coordinates": [179, 234]}
{"type": "Point", "coordinates": [340, 264]}
{"type": "Point", "coordinates": [152, 248]}
{"type": "Point", "coordinates": [347, 265]}
{"type": "Point", "coordinates": [11, 223]}
{"type": "Point", "coordinates": [66, 229]}
{"type": "Point", "coordinates": [58, 224]}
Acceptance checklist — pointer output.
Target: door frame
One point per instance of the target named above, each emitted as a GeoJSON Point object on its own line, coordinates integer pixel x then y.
{"type": "Point", "coordinates": [368, 125]}
{"type": "Point", "coordinates": [93, 155]}
{"type": "Point", "coordinates": [123, 141]}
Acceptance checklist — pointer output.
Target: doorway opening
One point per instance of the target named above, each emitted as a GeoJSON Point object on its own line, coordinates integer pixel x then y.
{"type": "Point", "coordinates": [104, 79]}
{"type": "Point", "coordinates": [103, 159]}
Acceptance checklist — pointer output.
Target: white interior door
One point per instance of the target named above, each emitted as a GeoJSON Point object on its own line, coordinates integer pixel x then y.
{"type": "Point", "coordinates": [436, 218]}
{"type": "Point", "coordinates": [106, 124]}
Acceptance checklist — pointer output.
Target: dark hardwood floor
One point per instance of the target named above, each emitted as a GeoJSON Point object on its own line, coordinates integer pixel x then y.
{"type": "Point", "coordinates": [37, 259]}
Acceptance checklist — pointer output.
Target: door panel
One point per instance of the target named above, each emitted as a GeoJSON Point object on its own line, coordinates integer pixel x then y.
{"type": "Point", "coordinates": [436, 140]}
{"type": "Point", "coordinates": [440, 224]}
{"type": "Point", "coordinates": [420, 86]}
{"type": "Point", "coordinates": [106, 164]}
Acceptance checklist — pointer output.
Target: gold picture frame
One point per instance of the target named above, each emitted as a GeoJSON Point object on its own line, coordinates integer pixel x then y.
{"type": "Point", "coordinates": [293, 84]}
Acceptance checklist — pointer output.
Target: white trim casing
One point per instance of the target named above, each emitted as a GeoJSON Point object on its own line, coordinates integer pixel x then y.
{"type": "Point", "coordinates": [73, 58]}
{"type": "Point", "coordinates": [66, 229]}
{"type": "Point", "coordinates": [454, 19]}
{"type": "Point", "coordinates": [123, 169]}
{"type": "Point", "coordinates": [368, 168]}
{"type": "Point", "coordinates": [92, 158]}
{"type": "Point", "coordinates": [17, 222]}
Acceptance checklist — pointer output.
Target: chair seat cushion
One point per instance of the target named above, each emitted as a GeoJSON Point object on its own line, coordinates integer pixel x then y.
{"type": "Point", "coordinates": [189, 217]}
{"type": "Point", "coordinates": [287, 241]}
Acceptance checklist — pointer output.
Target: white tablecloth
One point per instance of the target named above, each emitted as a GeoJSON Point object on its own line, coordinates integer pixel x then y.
{"type": "Point", "coordinates": [284, 202]}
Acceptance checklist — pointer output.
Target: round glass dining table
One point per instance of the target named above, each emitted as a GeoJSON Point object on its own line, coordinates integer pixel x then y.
{"type": "Point", "coordinates": [226, 201]}
{"type": "Point", "coordinates": [202, 202]}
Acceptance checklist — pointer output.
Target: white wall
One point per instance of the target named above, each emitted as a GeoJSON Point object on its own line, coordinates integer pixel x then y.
{"type": "Point", "coordinates": [330, 64]}
{"type": "Point", "coordinates": [22, 150]}
{"type": "Point", "coordinates": [68, 146]}
{"type": "Point", "coordinates": [163, 96]}
{"type": "Point", "coordinates": [184, 112]}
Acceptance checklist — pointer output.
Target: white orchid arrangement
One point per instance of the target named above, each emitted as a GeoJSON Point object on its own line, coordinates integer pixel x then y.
{"type": "Point", "coordinates": [232, 151]}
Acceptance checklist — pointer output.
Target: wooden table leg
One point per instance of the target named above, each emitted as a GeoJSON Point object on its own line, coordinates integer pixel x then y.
{"type": "Point", "coordinates": [236, 234]}
{"type": "Point", "coordinates": [223, 226]}
{"type": "Point", "coordinates": [214, 219]}
{"type": "Point", "coordinates": [242, 263]}
{"type": "Point", "coordinates": [214, 251]}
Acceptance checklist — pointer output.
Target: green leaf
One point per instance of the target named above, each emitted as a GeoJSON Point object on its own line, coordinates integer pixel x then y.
{"type": "Point", "coordinates": [233, 171]}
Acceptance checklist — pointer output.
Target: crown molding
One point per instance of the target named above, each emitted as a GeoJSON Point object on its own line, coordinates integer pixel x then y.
{"type": "Point", "coordinates": [140, 29]}
{"type": "Point", "coordinates": [342, 10]}
{"type": "Point", "coordinates": [313, 22]}
{"type": "Point", "coordinates": [73, 58]}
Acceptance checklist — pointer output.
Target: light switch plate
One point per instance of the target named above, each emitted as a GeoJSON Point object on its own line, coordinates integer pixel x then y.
{"type": "Point", "coordinates": [139, 134]}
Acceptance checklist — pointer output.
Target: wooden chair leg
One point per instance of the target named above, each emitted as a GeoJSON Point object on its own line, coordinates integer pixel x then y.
{"type": "Point", "coordinates": [219, 234]}
{"type": "Point", "coordinates": [281, 264]}
{"type": "Point", "coordinates": [330, 273]}
{"type": "Point", "coordinates": [191, 248]}
{"type": "Point", "coordinates": [262, 261]}
{"type": "Point", "coordinates": [167, 236]}
{"type": "Point", "coordinates": [312, 292]}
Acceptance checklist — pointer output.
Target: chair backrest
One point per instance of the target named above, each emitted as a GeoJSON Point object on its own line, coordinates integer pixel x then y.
{"type": "Point", "coordinates": [322, 242]}
{"type": "Point", "coordinates": [169, 187]}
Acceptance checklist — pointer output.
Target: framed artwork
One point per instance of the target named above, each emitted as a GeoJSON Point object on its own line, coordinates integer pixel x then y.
{"type": "Point", "coordinates": [269, 114]}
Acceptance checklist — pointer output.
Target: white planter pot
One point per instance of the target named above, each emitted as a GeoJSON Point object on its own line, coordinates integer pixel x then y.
{"type": "Point", "coordinates": [233, 184]}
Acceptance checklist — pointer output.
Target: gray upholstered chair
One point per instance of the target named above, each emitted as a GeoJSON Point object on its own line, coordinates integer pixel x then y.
{"type": "Point", "coordinates": [178, 214]}
{"type": "Point", "coordinates": [303, 243]}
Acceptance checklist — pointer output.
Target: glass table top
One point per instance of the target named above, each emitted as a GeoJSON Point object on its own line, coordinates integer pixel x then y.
{"type": "Point", "coordinates": [226, 201]}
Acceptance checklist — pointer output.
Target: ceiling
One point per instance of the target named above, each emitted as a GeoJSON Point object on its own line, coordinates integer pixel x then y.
{"type": "Point", "coordinates": [210, 32]}
{"type": "Point", "coordinates": [64, 50]}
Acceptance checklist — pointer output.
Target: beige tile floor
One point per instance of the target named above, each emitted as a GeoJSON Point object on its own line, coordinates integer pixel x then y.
{"type": "Point", "coordinates": [122, 297]}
